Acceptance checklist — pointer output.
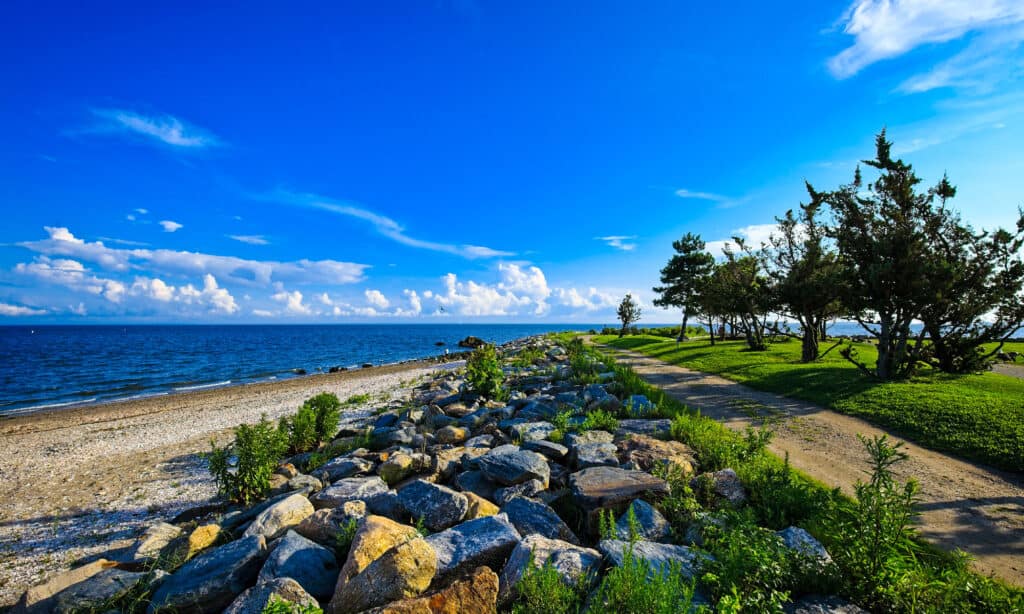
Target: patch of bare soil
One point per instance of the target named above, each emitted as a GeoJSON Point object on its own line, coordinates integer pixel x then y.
{"type": "Point", "coordinates": [977, 509]}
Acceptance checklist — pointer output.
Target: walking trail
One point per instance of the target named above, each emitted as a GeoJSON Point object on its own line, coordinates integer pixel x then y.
{"type": "Point", "coordinates": [977, 509]}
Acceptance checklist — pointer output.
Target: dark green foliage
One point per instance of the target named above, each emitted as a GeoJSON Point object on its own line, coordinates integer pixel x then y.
{"type": "Point", "coordinates": [680, 506]}
{"type": "Point", "coordinates": [541, 590]}
{"type": "Point", "coordinates": [628, 313]}
{"type": "Point", "coordinates": [326, 408]}
{"type": "Point", "coordinates": [242, 469]}
{"type": "Point", "coordinates": [752, 570]}
{"type": "Point", "coordinates": [343, 540]}
{"type": "Point", "coordinates": [715, 451]}
{"type": "Point", "coordinates": [484, 374]}
{"type": "Point", "coordinates": [527, 357]}
{"type": "Point", "coordinates": [780, 498]}
{"type": "Point", "coordinates": [600, 420]}
{"type": "Point", "coordinates": [357, 399]}
{"type": "Point", "coordinates": [635, 588]}
{"type": "Point", "coordinates": [280, 606]}
{"type": "Point", "coordinates": [684, 276]}
{"type": "Point", "coordinates": [300, 430]}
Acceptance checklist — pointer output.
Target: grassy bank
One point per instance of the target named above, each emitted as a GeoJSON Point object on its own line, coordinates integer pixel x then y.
{"type": "Point", "coordinates": [979, 417]}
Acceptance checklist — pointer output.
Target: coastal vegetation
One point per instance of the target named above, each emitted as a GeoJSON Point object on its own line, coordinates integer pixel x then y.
{"type": "Point", "coordinates": [882, 253]}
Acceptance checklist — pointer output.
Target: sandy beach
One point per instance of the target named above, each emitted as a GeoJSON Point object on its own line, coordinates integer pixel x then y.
{"type": "Point", "coordinates": [78, 482]}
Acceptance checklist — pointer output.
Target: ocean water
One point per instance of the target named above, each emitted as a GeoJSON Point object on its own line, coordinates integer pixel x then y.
{"type": "Point", "coordinates": [63, 366]}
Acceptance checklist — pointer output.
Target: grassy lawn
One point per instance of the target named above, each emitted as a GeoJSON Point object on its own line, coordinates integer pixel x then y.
{"type": "Point", "coordinates": [979, 417]}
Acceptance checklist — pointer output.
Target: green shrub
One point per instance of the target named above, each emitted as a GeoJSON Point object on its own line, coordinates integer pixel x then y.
{"type": "Point", "coordinates": [600, 420]}
{"type": "Point", "coordinates": [300, 430]}
{"type": "Point", "coordinates": [326, 407]}
{"type": "Point", "coordinates": [242, 469]}
{"type": "Point", "coordinates": [280, 606]}
{"type": "Point", "coordinates": [680, 506]}
{"type": "Point", "coordinates": [716, 447]}
{"type": "Point", "coordinates": [357, 399]}
{"type": "Point", "coordinates": [636, 588]}
{"type": "Point", "coordinates": [343, 540]}
{"type": "Point", "coordinates": [541, 590]}
{"type": "Point", "coordinates": [527, 357]}
{"type": "Point", "coordinates": [779, 497]}
{"type": "Point", "coordinates": [484, 374]}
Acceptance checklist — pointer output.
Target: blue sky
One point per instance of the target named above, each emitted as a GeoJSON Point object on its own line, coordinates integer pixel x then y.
{"type": "Point", "coordinates": [409, 161]}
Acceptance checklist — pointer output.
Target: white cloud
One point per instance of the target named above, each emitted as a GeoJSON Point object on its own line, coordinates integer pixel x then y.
{"type": "Point", "coordinates": [684, 193]}
{"type": "Point", "coordinates": [415, 305]}
{"type": "Point", "coordinates": [325, 299]}
{"type": "Point", "coordinates": [376, 298]}
{"type": "Point", "coordinates": [754, 235]}
{"type": "Point", "coordinates": [386, 226]}
{"type": "Point", "coordinates": [250, 239]}
{"type": "Point", "coordinates": [141, 211]}
{"type": "Point", "coordinates": [619, 242]}
{"type": "Point", "coordinates": [79, 309]}
{"type": "Point", "coordinates": [62, 242]}
{"type": "Point", "coordinates": [262, 313]}
{"type": "Point", "coordinates": [593, 300]}
{"type": "Point", "coordinates": [165, 129]}
{"type": "Point", "coordinates": [293, 302]}
{"type": "Point", "coordinates": [529, 282]}
{"type": "Point", "coordinates": [986, 63]}
{"type": "Point", "coordinates": [474, 299]}
{"type": "Point", "coordinates": [154, 288]}
{"type": "Point", "coordinates": [71, 274]}
{"type": "Point", "coordinates": [6, 309]}
{"type": "Point", "coordinates": [170, 226]}
{"type": "Point", "coordinates": [884, 29]}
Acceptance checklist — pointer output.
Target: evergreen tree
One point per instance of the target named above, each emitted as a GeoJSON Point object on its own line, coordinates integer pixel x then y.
{"type": "Point", "coordinates": [628, 312]}
{"type": "Point", "coordinates": [683, 277]}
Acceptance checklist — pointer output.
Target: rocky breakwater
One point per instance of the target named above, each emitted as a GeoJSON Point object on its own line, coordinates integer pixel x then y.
{"type": "Point", "coordinates": [444, 509]}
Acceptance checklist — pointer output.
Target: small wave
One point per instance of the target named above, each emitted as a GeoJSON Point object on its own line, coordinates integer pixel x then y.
{"type": "Point", "coordinates": [33, 408]}
{"type": "Point", "coordinates": [201, 386]}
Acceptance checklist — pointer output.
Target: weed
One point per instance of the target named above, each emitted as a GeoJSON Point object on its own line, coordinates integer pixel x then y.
{"type": "Point", "coordinates": [600, 420]}
{"type": "Point", "coordinates": [635, 587]}
{"type": "Point", "coordinates": [242, 469]}
{"type": "Point", "coordinates": [541, 590]}
{"type": "Point", "coordinates": [484, 374]}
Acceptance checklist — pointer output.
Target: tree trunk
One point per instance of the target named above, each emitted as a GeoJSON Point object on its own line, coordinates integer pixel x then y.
{"type": "Point", "coordinates": [682, 331]}
{"type": "Point", "coordinates": [884, 366]}
{"type": "Point", "coordinates": [809, 350]}
{"type": "Point", "coordinates": [711, 329]}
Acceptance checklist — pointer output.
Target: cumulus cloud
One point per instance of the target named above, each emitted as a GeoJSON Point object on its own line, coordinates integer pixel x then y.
{"type": "Point", "coordinates": [162, 129]}
{"type": "Point", "coordinates": [592, 300]}
{"type": "Point", "coordinates": [250, 239]}
{"type": "Point", "coordinates": [6, 309]}
{"type": "Point", "coordinates": [376, 298]}
{"type": "Point", "coordinates": [385, 226]}
{"type": "Point", "coordinates": [415, 305]}
{"type": "Point", "coordinates": [619, 242]}
{"type": "Point", "coordinates": [884, 29]}
{"type": "Point", "coordinates": [62, 242]}
{"type": "Point", "coordinates": [754, 235]}
{"type": "Point", "coordinates": [71, 274]}
{"type": "Point", "coordinates": [170, 226]}
{"type": "Point", "coordinates": [292, 302]}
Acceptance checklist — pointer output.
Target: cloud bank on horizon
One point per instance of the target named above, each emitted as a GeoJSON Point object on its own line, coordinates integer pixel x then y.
{"type": "Point", "coordinates": [517, 182]}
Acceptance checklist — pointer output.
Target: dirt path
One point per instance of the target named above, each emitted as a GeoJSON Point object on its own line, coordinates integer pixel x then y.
{"type": "Point", "coordinates": [974, 508]}
{"type": "Point", "coordinates": [1009, 369]}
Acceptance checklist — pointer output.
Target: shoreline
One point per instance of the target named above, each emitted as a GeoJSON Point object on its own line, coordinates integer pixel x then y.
{"type": "Point", "coordinates": [80, 480]}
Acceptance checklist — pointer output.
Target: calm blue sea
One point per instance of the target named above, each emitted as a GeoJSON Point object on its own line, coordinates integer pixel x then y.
{"type": "Point", "coordinates": [62, 366]}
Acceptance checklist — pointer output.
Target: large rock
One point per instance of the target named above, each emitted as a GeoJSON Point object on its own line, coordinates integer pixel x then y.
{"type": "Point", "coordinates": [211, 581]}
{"type": "Point", "coordinates": [92, 593]}
{"type": "Point", "coordinates": [344, 467]}
{"type": "Point", "coordinates": [514, 467]}
{"type": "Point", "coordinates": [396, 468]}
{"type": "Point", "coordinates": [404, 571]}
{"type": "Point", "coordinates": [451, 435]}
{"type": "Point", "coordinates": [554, 451]}
{"type": "Point", "coordinates": [578, 439]}
{"type": "Point", "coordinates": [256, 599]}
{"type": "Point", "coordinates": [817, 604]}
{"type": "Point", "coordinates": [275, 520]}
{"type": "Point", "coordinates": [639, 426]}
{"type": "Point", "coordinates": [349, 489]}
{"type": "Point", "coordinates": [650, 524]}
{"type": "Point", "coordinates": [375, 536]}
{"type": "Point", "coordinates": [476, 594]}
{"type": "Point", "coordinates": [570, 561]}
{"type": "Point", "coordinates": [479, 507]}
{"type": "Point", "coordinates": [484, 541]}
{"type": "Point", "coordinates": [803, 543]}
{"type": "Point", "coordinates": [42, 598]}
{"type": "Point", "coordinates": [323, 526]}
{"type": "Point", "coordinates": [612, 488]}
{"type": "Point", "coordinates": [725, 486]}
{"type": "Point", "coordinates": [646, 453]}
{"type": "Point", "coordinates": [660, 557]}
{"type": "Point", "coordinates": [438, 506]}
{"type": "Point", "coordinates": [154, 541]}
{"type": "Point", "coordinates": [532, 431]}
{"type": "Point", "coordinates": [477, 483]}
{"type": "Point", "coordinates": [530, 516]}
{"type": "Point", "coordinates": [533, 488]}
{"type": "Point", "coordinates": [597, 397]}
{"type": "Point", "coordinates": [308, 563]}
{"type": "Point", "coordinates": [447, 462]}
{"type": "Point", "coordinates": [594, 455]}
{"type": "Point", "coordinates": [638, 406]}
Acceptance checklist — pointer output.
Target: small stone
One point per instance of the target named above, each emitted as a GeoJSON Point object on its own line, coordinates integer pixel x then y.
{"type": "Point", "coordinates": [532, 488]}
{"type": "Point", "coordinates": [816, 604]}
{"type": "Point", "coordinates": [344, 467]}
{"type": "Point", "coordinates": [403, 571]}
{"type": "Point", "coordinates": [647, 453]}
{"type": "Point", "coordinates": [802, 542]}
{"type": "Point", "coordinates": [396, 468]}
{"type": "Point", "coordinates": [726, 486]}
{"type": "Point", "coordinates": [532, 431]}
{"type": "Point", "coordinates": [438, 506]}
{"type": "Point", "coordinates": [307, 482]}
{"type": "Point", "coordinates": [652, 428]}
{"type": "Point", "coordinates": [479, 507]}
{"type": "Point", "coordinates": [550, 449]}
{"type": "Point", "coordinates": [484, 541]}
{"type": "Point", "coordinates": [256, 599]}
{"type": "Point", "coordinates": [272, 522]}
{"type": "Point", "coordinates": [304, 561]}
{"type": "Point", "coordinates": [530, 516]}
{"type": "Point", "coordinates": [577, 439]}
{"type": "Point", "coordinates": [480, 441]}
{"type": "Point", "coordinates": [202, 537]}
{"type": "Point", "coordinates": [638, 406]}
{"type": "Point", "coordinates": [323, 526]}
{"type": "Point", "coordinates": [475, 482]}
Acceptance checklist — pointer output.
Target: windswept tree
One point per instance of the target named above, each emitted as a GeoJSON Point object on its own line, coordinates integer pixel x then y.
{"type": "Point", "coordinates": [742, 290]}
{"type": "Point", "coordinates": [885, 232]}
{"type": "Point", "coordinates": [683, 277]}
{"type": "Point", "coordinates": [807, 275]}
{"type": "Point", "coordinates": [628, 312]}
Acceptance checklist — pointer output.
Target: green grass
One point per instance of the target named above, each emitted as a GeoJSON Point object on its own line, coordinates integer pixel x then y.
{"type": "Point", "coordinates": [978, 417]}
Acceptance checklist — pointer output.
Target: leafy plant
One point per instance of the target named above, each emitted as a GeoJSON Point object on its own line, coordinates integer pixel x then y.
{"type": "Point", "coordinates": [300, 430]}
{"type": "Point", "coordinates": [357, 399]}
{"type": "Point", "coordinates": [635, 587]}
{"type": "Point", "coordinates": [484, 374]}
{"type": "Point", "coordinates": [280, 606]}
{"type": "Point", "coordinates": [600, 420]}
{"type": "Point", "coordinates": [752, 570]}
{"type": "Point", "coordinates": [541, 590]}
{"type": "Point", "coordinates": [326, 407]}
{"type": "Point", "coordinates": [343, 540]}
{"type": "Point", "coordinates": [242, 469]}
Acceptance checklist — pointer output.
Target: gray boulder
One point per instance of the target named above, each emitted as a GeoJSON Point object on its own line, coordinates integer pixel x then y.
{"type": "Point", "coordinates": [514, 467]}
{"type": "Point", "coordinates": [651, 525]}
{"type": "Point", "coordinates": [323, 526]}
{"type": "Point", "coordinates": [483, 541]}
{"type": "Point", "coordinates": [349, 489]}
{"type": "Point", "coordinates": [570, 561]}
{"type": "Point", "coordinates": [817, 604]}
{"type": "Point", "coordinates": [272, 522]}
{"type": "Point", "coordinates": [344, 467]}
{"type": "Point", "coordinates": [577, 439]}
{"type": "Point", "coordinates": [726, 486]}
{"type": "Point", "coordinates": [438, 506]}
{"type": "Point", "coordinates": [97, 591]}
{"type": "Point", "coordinates": [652, 428]}
{"type": "Point", "coordinates": [308, 563]}
{"type": "Point", "coordinates": [477, 483]}
{"type": "Point", "coordinates": [256, 599]}
{"type": "Point", "coordinates": [612, 488]}
{"type": "Point", "coordinates": [804, 543]}
{"type": "Point", "coordinates": [550, 449]}
{"type": "Point", "coordinates": [211, 581]}
{"type": "Point", "coordinates": [595, 455]}
{"type": "Point", "coordinates": [532, 488]}
{"type": "Point", "coordinates": [152, 543]}
{"type": "Point", "coordinates": [532, 431]}
{"type": "Point", "coordinates": [660, 557]}
{"type": "Point", "coordinates": [530, 516]}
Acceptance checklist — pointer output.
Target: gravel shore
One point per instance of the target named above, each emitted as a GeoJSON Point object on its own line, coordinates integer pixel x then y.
{"type": "Point", "coordinates": [76, 480]}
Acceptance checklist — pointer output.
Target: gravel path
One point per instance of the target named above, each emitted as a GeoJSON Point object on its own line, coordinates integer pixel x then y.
{"type": "Point", "coordinates": [79, 482]}
{"type": "Point", "coordinates": [967, 506]}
